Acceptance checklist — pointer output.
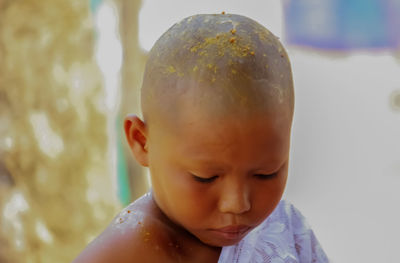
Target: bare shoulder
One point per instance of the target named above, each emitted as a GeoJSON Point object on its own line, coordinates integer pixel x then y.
{"type": "Point", "coordinates": [134, 235]}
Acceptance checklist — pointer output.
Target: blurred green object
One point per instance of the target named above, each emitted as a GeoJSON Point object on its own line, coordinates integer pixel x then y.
{"type": "Point", "coordinates": [123, 184]}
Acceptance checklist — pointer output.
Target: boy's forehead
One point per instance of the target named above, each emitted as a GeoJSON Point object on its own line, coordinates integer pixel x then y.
{"type": "Point", "coordinates": [191, 120]}
{"type": "Point", "coordinates": [203, 137]}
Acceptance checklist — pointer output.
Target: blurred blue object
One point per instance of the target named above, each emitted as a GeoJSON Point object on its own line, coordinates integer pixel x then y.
{"type": "Point", "coordinates": [343, 24]}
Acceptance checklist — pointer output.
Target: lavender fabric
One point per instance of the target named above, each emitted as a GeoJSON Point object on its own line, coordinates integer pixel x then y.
{"type": "Point", "coordinates": [284, 237]}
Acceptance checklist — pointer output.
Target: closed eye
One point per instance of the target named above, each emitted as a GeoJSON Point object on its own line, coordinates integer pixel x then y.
{"type": "Point", "coordinates": [266, 176]}
{"type": "Point", "coordinates": [204, 180]}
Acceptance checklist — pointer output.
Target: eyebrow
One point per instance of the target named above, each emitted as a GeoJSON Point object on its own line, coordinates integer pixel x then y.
{"type": "Point", "coordinates": [215, 167]}
{"type": "Point", "coordinates": [211, 166]}
{"type": "Point", "coordinates": [275, 170]}
{"type": "Point", "coordinates": [206, 164]}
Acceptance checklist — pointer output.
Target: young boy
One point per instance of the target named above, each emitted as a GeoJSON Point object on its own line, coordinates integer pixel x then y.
{"type": "Point", "coordinates": [217, 102]}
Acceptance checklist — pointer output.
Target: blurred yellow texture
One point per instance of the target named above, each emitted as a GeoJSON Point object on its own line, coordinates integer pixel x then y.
{"type": "Point", "coordinates": [56, 185]}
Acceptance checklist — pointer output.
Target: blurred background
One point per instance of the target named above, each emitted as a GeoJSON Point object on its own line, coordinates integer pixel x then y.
{"type": "Point", "coordinates": [71, 70]}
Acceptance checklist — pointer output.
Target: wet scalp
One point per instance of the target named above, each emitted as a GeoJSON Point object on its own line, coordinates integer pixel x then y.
{"type": "Point", "coordinates": [224, 60]}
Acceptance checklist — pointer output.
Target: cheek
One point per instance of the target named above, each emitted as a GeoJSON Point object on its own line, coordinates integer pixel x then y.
{"type": "Point", "coordinates": [183, 199]}
{"type": "Point", "coordinates": [194, 201]}
{"type": "Point", "coordinates": [266, 196]}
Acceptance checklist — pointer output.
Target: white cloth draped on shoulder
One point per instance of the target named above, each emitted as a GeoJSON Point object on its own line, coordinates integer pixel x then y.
{"type": "Point", "coordinates": [284, 237]}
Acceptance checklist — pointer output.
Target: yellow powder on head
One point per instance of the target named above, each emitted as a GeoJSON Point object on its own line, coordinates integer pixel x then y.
{"type": "Point", "coordinates": [231, 56]}
{"type": "Point", "coordinates": [223, 43]}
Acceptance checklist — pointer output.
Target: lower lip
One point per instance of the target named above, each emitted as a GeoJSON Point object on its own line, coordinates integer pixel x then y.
{"type": "Point", "coordinates": [231, 235]}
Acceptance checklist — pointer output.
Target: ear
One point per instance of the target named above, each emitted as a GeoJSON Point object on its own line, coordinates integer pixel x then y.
{"type": "Point", "coordinates": [136, 135]}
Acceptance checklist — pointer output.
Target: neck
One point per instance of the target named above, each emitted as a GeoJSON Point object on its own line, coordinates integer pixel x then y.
{"type": "Point", "coordinates": [189, 244]}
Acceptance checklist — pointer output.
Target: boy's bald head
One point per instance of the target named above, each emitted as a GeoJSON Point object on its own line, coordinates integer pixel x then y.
{"type": "Point", "coordinates": [223, 64]}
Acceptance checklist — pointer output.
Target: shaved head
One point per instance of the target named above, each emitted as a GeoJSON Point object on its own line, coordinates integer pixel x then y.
{"type": "Point", "coordinates": [220, 63]}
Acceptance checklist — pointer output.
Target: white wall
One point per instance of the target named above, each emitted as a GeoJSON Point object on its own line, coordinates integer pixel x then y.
{"type": "Point", "coordinates": [345, 167]}
{"type": "Point", "coordinates": [345, 162]}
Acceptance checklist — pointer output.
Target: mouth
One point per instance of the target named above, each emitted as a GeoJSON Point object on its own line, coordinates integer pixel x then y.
{"type": "Point", "coordinates": [232, 232]}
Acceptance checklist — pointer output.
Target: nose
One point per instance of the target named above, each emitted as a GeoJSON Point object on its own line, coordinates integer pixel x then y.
{"type": "Point", "coordinates": [234, 198]}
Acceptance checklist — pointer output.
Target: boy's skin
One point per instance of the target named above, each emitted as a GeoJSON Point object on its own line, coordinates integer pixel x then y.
{"type": "Point", "coordinates": [217, 102]}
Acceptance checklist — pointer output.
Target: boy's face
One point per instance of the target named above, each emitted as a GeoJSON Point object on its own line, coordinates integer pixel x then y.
{"type": "Point", "coordinates": [219, 177]}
